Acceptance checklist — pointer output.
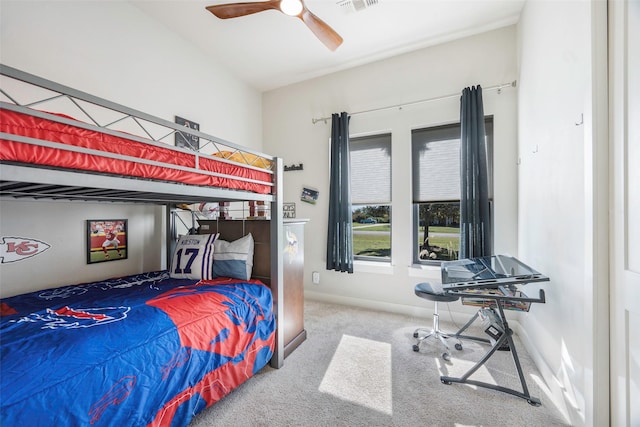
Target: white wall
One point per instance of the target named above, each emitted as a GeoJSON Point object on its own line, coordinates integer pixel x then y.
{"type": "Point", "coordinates": [558, 116]}
{"type": "Point", "coordinates": [62, 226]}
{"type": "Point", "coordinates": [112, 50]}
{"type": "Point", "coordinates": [487, 59]}
{"type": "Point", "coordinates": [543, 207]}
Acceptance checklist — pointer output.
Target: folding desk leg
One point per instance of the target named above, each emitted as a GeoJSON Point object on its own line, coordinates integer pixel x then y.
{"type": "Point", "coordinates": [469, 337]}
{"type": "Point", "coordinates": [506, 336]}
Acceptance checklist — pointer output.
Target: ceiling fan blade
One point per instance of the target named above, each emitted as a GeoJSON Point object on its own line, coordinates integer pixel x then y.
{"type": "Point", "coordinates": [321, 29]}
{"type": "Point", "coordinates": [234, 10]}
{"type": "Point", "coordinates": [324, 32]}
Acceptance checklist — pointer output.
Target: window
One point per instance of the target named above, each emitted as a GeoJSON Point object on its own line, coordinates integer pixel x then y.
{"type": "Point", "coordinates": [371, 197]}
{"type": "Point", "coordinates": [435, 166]}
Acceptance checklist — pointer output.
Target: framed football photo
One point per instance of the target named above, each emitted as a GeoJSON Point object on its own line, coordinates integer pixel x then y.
{"type": "Point", "coordinates": [185, 139]}
{"type": "Point", "coordinates": [106, 240]}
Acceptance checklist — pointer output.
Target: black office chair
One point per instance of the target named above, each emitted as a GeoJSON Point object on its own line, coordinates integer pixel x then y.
{"type": "Point", "coordinates": [436, 294]}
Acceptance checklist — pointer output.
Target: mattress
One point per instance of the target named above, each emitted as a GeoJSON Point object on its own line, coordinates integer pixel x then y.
{"type": "Point", "coordinates": [143, 160]}
{"type": "Point", "coordinates": [134, 351]}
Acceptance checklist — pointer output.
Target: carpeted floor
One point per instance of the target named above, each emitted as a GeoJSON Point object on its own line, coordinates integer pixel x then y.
{"type": "Point", "coordinates": [357, 368]}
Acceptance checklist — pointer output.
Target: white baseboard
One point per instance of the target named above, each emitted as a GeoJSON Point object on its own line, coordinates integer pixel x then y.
{"type": "Point", "coordinates": [453, 312]}
{"type": "Point", "coordinates": [460, 315]}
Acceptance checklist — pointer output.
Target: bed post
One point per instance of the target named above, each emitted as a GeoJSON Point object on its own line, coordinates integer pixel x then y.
{"type": "Point", "coordinates": [277, 282]}
{"type": "Point", "coordinates": [170, 234]}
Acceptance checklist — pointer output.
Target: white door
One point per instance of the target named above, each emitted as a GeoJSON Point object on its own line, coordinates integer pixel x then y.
{"type": "Point", "coordinates": [624, 125]}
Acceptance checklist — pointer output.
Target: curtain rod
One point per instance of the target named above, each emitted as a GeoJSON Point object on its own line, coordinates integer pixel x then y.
{"type": "Point", "coordinates": [420, 101]}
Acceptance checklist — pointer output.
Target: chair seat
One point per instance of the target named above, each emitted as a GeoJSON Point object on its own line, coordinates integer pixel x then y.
{"type": "Point", "coordinates": [434, 293]}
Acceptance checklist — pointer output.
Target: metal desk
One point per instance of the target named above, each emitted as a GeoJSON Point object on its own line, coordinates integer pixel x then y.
{"type": "Point", "coordinates": [494, 283]}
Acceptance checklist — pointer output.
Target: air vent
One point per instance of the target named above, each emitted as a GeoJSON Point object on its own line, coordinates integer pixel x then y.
{"type": "Point", "coordinates": [356, 5]}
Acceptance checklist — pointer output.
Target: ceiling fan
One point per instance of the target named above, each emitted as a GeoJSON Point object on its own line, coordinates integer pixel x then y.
{"type": "Point", "coordinates": [295, 8]}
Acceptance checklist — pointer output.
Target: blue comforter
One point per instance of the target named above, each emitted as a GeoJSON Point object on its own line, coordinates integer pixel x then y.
{"type": "Point", "coordinates": [135, 351]}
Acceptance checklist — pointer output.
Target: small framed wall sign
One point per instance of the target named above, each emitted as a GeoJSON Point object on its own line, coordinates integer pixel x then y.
{"type": "Point", "coordinates": [185, 139]}
{"type": "Point", "coordinates": [106, 240]}
{"type": "Point", "coordinates": [288, 210]}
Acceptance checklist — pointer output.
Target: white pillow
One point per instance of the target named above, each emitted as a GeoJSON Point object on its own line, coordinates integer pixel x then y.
{"type": "Point", "coordinates": [193, 257]}
{"type": "Point", "coordinates": [233, 259]}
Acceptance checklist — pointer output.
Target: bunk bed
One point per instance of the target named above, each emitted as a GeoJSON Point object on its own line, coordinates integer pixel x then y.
{"type": "Point", "coordinates": [152, 348]}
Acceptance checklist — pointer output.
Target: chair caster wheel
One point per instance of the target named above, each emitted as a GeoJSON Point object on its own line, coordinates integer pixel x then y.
{"type": "Point", "coordinates": [445, 382]}
{"type": "Point", "coordinates": [446, 356]}
{"type": "Point", "coordinates": [415, 335]}
{"type": "Point", "coordinates": [459, 347]}
{"type": "Point", "coordinates": [416, 347]}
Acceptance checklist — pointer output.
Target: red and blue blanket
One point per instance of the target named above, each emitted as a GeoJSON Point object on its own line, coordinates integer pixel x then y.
{"type": "Point", "coordinates": [143, 350]}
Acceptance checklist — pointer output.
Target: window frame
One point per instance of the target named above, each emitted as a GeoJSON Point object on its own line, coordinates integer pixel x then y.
{"type": "Point", "coordinates": [360, 139]}
{"type": "Point", "coordinates": [415, 209]}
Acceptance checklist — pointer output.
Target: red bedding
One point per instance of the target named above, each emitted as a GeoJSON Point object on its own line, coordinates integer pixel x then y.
{"type": "Point", "coordinates": [15, 123]}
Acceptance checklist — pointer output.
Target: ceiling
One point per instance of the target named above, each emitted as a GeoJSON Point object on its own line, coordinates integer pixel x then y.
{"type": "Point", "coordinates": [269, 49]}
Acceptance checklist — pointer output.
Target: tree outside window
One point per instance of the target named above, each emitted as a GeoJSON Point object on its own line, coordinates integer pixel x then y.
{"type": "Point", "coordinates": [436, 191]}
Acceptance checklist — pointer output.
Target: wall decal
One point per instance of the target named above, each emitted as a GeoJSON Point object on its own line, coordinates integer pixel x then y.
{"type": "Point", "coordinates": [14, 249]}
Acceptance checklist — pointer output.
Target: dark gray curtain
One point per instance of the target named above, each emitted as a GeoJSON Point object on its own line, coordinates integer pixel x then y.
{"type": "Point", "coordinates": [475, 219]}
{"type": "Point", "coordinates": [339, 238]}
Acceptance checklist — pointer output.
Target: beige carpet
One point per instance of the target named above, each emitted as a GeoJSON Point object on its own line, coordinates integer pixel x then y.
{"type": "Point", "coordinates": [357, 368]}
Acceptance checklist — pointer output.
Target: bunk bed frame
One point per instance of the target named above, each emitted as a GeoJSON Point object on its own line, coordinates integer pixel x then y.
{"type": "Point", "coordinates": [30, 181]}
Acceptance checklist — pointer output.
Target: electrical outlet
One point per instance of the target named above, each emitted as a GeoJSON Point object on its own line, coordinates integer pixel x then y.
{"type": "Point", "coordinates": [315, 277]}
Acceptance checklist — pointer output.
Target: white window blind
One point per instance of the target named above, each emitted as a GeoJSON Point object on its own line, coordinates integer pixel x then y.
{"type": "Point", "coordinates": [371, 169]}
{"type": "Point", "coordinates": [436, 164]}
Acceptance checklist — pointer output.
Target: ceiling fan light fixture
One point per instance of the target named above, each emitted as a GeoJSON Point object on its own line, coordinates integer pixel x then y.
{"type": "Point", "coordinates": [291, 7]}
